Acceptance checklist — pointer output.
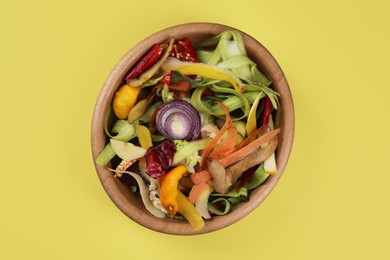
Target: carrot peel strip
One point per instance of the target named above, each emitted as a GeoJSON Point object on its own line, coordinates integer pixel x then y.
{"type": "Point", "coordinates": [249, 139]}
{"type": "Point", "coordinates": [196, 191]}
{"type": "Point", "coordinates": [243, 152]}
{"type": "Point", "coordinates": [226, 146]}
{"type": "Point", "coordinates": [199, 177]}
{"type": "Point", "coordinates": [218, 136]}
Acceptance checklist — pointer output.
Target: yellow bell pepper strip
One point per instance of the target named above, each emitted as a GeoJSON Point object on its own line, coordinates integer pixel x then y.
{"type": "Point", "coordinates": [144, 137]}
{"type": "Point", "coordinates": [203, 70]}
{"type": "Point", "coordinates": [251, 123]}
{"type": "Point", "coordinates": [124, 100]}
{"type": "Point", "coordinates": [145, 140]}
{"type": "Point", "coordinates": [189, 211]}
{"type": "Point", "coordinates": [153, 70]}
{"type": "Point", "coordinates": [168, 188]}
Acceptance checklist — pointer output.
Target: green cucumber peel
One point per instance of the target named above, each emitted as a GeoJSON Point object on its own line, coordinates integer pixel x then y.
{"type": "Point", "coordinates": [238, 200]}
{"type": "Point", "coordinates": [232, 99]}
{"type": "Point", "coordinates": [124, 132]}
{"type": "Point", "coordinates": [242, 192]}
{"type": "Point", "coordinates": [230, 53]}
{"type": "Point", "coordinates": [106, 155]}
{"type": "Point", "coordinates": [257, 179]}
{"type": "Point", "coordinates": [227, 206]}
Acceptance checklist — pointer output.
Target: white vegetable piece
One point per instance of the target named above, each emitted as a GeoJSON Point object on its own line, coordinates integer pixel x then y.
{"type": "Point", "coordinates": [127, 151]}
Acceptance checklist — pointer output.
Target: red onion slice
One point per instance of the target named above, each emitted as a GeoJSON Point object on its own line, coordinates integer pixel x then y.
{"type": "Point", "coordinates": [178, 120]}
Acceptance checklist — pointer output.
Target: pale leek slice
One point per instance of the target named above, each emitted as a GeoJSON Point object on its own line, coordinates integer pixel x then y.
{"type": "Point", "coordinates": [201, 203]}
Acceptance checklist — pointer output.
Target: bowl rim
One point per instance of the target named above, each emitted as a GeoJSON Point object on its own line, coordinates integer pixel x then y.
{"type": "Point", "coordinates": [123, 197]}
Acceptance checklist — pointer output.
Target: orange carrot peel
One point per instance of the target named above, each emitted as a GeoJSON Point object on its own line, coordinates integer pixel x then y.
{"type": "Point", "coordinates": [226, 145]}
{"type": "Point", "coordinates": [197, 190]}
{"type": "Point", "coordinates": [249, 139]}
{"type": "Point", "coordinates": [200, 177]}
{"type": "Point", "coordinates": [243, 152]}
{"type": "Point", "coordinates": [228, 123]}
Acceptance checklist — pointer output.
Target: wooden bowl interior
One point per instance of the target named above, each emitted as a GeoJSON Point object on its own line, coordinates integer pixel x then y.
{"type": "Point", "coordinates": [119, 192]}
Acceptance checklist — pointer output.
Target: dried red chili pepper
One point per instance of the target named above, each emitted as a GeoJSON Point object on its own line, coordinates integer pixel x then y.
{"type": "Point", "coordinates": [265, 113]}
{"type": "Point", "coordinates": [184, 51]}
{"type": "Point", "coordinates": [146, 62]}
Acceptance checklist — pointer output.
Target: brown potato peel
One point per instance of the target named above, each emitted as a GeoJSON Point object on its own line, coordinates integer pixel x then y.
{"type": "Point", "coordinates": [224, 177]}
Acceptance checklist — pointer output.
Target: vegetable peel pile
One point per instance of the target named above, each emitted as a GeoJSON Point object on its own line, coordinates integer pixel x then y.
{"type": "Point", "coordinates": [194, 128]}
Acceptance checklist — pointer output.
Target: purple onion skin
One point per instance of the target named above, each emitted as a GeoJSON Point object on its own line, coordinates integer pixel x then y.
{"type": "Point", "coordinates": [153, 165]}
{"type": "Point", "coordinates": [184, 111]}
{"type": "Point", "coordinates": [166, 151]}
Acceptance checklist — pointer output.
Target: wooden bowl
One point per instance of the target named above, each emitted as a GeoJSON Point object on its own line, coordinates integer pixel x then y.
{"type": "Point", "coordinates": [122, 196]}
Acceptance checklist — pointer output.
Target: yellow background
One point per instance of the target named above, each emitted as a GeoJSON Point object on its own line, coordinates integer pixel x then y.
{"type": "Point", "coordinates": [333, 199]}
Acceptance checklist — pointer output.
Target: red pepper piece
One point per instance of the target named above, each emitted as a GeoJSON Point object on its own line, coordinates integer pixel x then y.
{"type": "Point", "coordinates": [246, 176]}
{"type": "Point", "coordinates": [184, 51]}
{"type": "Point", "coordinates": [189, 49]}
{"type": "Point", "coordinates": [181, 86]}
{"type": "Point", "coordinates": [147, 61]}
{"type": "Point", "coordinates": [174, 82]}
{"type": "Point", "coordinates": [206, 92]}
{"type": "Point", "coordinates": [167, 79]}
{"type": "Point", "coordinates": [265, 113]}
